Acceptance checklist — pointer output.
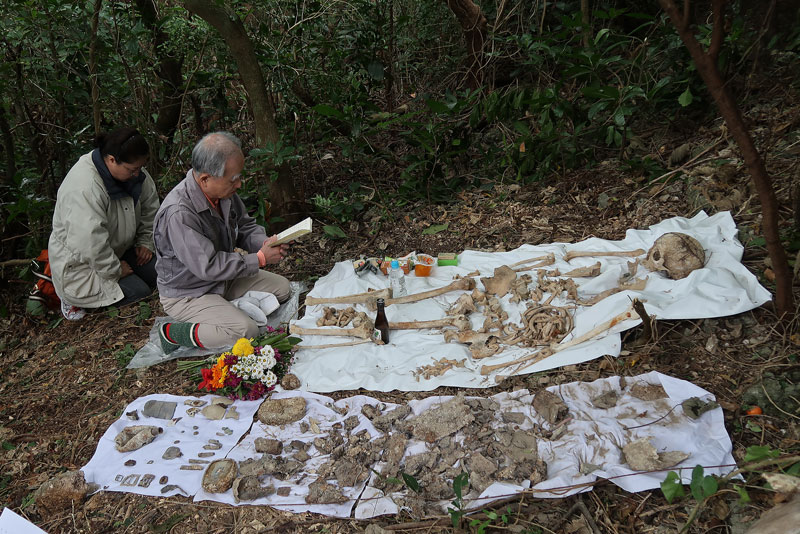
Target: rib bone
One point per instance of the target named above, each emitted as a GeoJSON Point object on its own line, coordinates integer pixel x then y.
{"type": "Point", "coordinates": [535, 357]}
{"type": "Point", "coordinates": [582, 254]}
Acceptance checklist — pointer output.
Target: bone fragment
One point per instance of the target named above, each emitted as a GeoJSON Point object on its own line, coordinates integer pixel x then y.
{"type": "Point", "coordinates": [634, 285]}
{"type": "Point", "coordinates": [465, 284]}
{"type": "Point", "coordinates": [589, 271]}
{"type": "Point", "coordinates": [544, 261]}
{"type": "Point", "coordinates": [535, 357]}
{"type": "Point", "coordinates": [363, 331]}
{"type": "Point", "coordinates": [582, 254]}
{"type": "Point", "coordinates": [358, 298]}
{"type": "Point", "coordinates": [500, 283]}
{"type": "Point", "coordinates": [459, 321]}
{"type": "Point", "coordinates": [464, 305]}
{"type": "Point", "coordinates": [468, 337]}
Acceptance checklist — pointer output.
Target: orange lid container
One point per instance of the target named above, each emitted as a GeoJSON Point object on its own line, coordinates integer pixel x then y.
{"type": "Point", "coordinates": [424, 265]}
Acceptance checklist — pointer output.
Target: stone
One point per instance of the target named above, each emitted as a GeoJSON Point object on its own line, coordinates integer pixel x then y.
{"type": "Point", "coordinates": [516, 418]}
{"type": "Point", "coordinates": [223, 401]}
{"type": "Point", "coordinates": [232, 413]}
{"type": "Point", "coordinates": [197, 403]}
{"type": "Point", "coordinates": [171, 453]}
{"type": "Point", "coordinates": [249, 488]}
{"type": "Point", "coordinates": [219, 476]}
{"type": "Point", "coordinates": [648, 392]}
{"type": "Point", "coordinates": [133, 415]}
{"type": "Point", "coordinates": [212, 445]}
{"type": "Point", "coordinates": [385, 422]}
{"type": "Point", "coordinates": [783, 519]}
{"type": "Point", "coordinates": [284, 491]}
{"type": "Point", "coordinates": [205, 454]}
{"type": "Point", "coordinates": [214, 411]}
{"type": "Point", "coordinates": [348, 474]}
{"type": "Point", "coordinates": [605, 400]}
{"type": "Point", "coordinates": [163, 480]}
{"type": "Point", "coordinates": [159, 409]}
{"type": "Point", "coordinates": [642, 456]}
{"type": "Point", "coordinates": [443, 420]}
{"type": "Point", "coordinates": [301, 456]}
{"type": "Point", "coordinates": [63, 492]}
{"type": "Point", "coordinates": [135, 437]}
{"type": "Point", "coordinates": [290, 381]}
{"type": "Point", "coordinates": [320, 492]}
{"type": "Point", "coordinates": [282, 411]}
{"type": "Point", "coordinates": [269, 446]}
{"type": "Point", "coordinates": [191, 468]}
{"type": "Point", "coordinates": [550, 406]}
{"type": "Point", "coordinates": [351, 422]}
{"type": "Point", "coordinates": [130, 463]}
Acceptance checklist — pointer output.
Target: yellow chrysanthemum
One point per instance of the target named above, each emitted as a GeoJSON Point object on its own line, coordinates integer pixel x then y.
{"type": "Point", "coordinates": [242, 348]}
{"type": "Point", "coordinates": [219, 373]}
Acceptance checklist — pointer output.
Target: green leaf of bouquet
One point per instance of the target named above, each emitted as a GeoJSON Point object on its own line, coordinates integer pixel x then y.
{"type": "Point", "coordinates": [294, 340]}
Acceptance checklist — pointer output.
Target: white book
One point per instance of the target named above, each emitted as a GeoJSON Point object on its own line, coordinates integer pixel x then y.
{"type": "Point", "coordinates": [290, 234]}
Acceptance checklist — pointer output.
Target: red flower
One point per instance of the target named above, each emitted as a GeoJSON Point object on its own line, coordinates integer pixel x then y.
{"type": "Point", "coordinates": [208, 377]}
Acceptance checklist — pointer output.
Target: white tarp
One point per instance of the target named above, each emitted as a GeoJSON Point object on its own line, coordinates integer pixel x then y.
{"type": "Point", "coordinates": [723, 287]}
{"type": "Point", "coordinates": [591, 436]}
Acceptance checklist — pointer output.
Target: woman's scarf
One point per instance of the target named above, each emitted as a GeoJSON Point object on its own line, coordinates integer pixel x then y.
{"type": "Point", "coordinates": [117, 189]}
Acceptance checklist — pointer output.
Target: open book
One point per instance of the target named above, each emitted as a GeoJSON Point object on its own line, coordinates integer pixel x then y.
{"type": "Point", "coordinates": [290, 234]}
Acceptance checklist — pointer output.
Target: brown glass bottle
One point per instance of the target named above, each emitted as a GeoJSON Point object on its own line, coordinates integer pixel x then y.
{"type": "Point", "coordinates": [381, 324]}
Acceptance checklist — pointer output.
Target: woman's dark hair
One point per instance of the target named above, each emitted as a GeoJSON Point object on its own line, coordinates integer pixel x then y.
{"type": "Point", "coordinates": [127, 145]}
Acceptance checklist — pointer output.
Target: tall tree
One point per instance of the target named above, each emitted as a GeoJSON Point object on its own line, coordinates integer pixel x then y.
{"type": "Point", "coordinates": [473, 26]}
{"type": "Point", "coordinates": [284, 198]}
{"type": "Point", "coordinates": [706, 62]}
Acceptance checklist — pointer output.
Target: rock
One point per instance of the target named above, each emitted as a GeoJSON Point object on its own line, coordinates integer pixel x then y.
{"type": "Point", "coordinates": [135, 437]}
{"type": "Point", "coordinates": [385, 422]}
{"type": "Point", "coordinates": [648, 392]}
{"type": "Point", "coordinates": [783, 519]}
{"type": "Point", "coordinates": [282, 411]}
{"type": "Point", "coordinates": [606, 400]}
{"type": "Point", "coordinates": [249, 488]}
{"type": "Point", "coordinates": [269, 446]}
{"type": "Point", "coordinates": [232, 413]}
{"type": "Point", "coordinates": [641, 456]}
{"type": "Point", "coordinates": [171, 453]}
{"type": "Point", "coordinates": [348, 474]}
{"type": "Point", "coordinates": [320, 492]}
{"type": "Point", "coordinates": [516, 418]}
{"type": "Point", "coordinates": [694, 407]}
{"type": "Point", "coordinates": [549, 406]}
{"type": "Point", "coordinates": [214, 411]}
{"type": "Point", "coordinates": [284, 491]}
{"type": "Point", "coordinates": [370, 412]}
{"type": "Point", "coordinates": [212, 445]}
{"type": "Point", "coordinates": [130, 463]}
{"type": "Point", "coordinates": [290, 381]}
{"type": "Point", "coordinates": [159, 409]}
{"type": "Point", "coordinates": [197, 403]}
{"type": "Point", "coordinates": [444, 419]}
{"type": "Point", "coordinates": [62, 492]}
{"type": "Point", "coordinates": [163, 480]}
{"type": "Point", "coordinates": [219, 476]}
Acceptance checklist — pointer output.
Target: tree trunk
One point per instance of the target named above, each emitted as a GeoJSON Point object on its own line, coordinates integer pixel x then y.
{"type": "Point", "coordinates": [706, 62]}
{"type": "Point", "coordinates": [95, 89]}
{"type": "Point", "coordinates": [283, 197]}
{"type": "Point", "coordinates": [8, 146]}
{"type": "Point", "coordinates": [169, 70]}
{"type": "Point", "coordinates": [473, 25]}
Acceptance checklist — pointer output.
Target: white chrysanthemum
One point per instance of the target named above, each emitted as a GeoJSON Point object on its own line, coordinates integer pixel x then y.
{"type": "Point", "coordinates": [267, 351]}
{"type": "Point", "coordinates": [269, 379]}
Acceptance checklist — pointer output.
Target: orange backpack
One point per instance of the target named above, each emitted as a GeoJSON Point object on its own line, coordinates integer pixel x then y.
{"type": "Point", "coordinates": [43, 292]}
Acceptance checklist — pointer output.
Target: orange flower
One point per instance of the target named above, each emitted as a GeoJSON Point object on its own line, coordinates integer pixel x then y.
{"type": "Point", "coordinates": [219, 372]}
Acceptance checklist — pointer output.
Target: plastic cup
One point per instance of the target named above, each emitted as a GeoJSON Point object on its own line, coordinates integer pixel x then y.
{"type": "Point", "coordinates": [424, 265]}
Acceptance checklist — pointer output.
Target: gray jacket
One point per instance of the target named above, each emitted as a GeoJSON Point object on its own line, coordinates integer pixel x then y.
{"type": "Point", "coordinates": [90, 233]}
{"type": "Point", "coordinates": [194, 244]}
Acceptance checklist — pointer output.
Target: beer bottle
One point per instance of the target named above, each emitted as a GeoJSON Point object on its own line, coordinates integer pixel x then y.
{"type": "Point", "coordinates": [381, 324]}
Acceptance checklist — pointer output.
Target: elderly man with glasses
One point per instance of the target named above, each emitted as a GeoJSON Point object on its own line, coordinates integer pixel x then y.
{"type": "Point", "coordinates": [197, 229]}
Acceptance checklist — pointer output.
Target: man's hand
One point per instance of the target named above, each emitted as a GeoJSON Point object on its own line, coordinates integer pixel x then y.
{"type": "Point", "coordinates": [126, 269]}
{"type": "Point", "coordinates": [143, 255]}
{"type": "Point", "coordinates": [274, 254]}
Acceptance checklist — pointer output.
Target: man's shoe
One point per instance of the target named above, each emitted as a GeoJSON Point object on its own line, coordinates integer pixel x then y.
{"type": "Point", "coordinates": [72, 313]}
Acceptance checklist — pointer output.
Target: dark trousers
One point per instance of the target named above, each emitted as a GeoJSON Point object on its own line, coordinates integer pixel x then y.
{"type": "Point", "coordinates": [141, 283]}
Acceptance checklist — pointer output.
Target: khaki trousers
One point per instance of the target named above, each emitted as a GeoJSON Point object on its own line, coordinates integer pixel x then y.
{"type": "Point", "coordinates": [222, 323]}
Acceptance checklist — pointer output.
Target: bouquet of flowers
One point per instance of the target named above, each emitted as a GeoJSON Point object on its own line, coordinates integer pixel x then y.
{"type": "Point", "coordinates": [251, 369]}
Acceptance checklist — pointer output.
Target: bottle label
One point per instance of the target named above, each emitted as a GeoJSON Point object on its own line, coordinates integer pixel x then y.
{"type": "Point", "coordinates": [376, 336]}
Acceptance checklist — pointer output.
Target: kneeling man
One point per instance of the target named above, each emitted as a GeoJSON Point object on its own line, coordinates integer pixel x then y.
{"type": "Point", "coordinates": [196, 229]}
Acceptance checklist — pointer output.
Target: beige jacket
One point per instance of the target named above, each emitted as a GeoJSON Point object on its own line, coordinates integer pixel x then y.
{"type": "Point", "coordinates": [90, 233]}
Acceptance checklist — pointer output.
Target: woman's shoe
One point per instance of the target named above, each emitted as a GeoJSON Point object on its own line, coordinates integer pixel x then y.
{"type": "Point", "coordinates": [72, 313]}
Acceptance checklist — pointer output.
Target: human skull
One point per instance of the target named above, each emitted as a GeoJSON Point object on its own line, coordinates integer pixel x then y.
{"type": "Point", "coordinates": [675, 254]}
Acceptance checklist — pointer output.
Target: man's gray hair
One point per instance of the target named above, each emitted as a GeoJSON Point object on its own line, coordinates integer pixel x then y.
{"type": "Point", "coordinates": [213, 151]}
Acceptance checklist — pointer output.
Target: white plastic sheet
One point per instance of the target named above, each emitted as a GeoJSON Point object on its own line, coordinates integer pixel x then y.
{"type": "Point", "coordinates": [723, 287]}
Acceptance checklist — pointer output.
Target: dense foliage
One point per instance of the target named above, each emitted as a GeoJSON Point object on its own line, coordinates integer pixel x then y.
{"type": "Point", "coordinates": [369, 95]}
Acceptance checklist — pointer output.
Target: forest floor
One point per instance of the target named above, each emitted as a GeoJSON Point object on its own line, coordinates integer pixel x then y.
{"type": "Point", "coordinates": [62, 384]}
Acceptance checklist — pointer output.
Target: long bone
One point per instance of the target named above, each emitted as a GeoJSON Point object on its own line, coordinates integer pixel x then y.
{"type": "Point", "coordinates": [358, 298]}
{"type": "Point", "coordinates": [459, 321]}
{"type": "Point", "coordinates": [582, 254]}
{"type": "Point", "coordinates": [548, 259]}
{"type": "Point", "coordinates": [535, 357]}
{"type": "Point", "coordinates": [364, 331]}
{"type": "Point", "coordinates": [466, 284]}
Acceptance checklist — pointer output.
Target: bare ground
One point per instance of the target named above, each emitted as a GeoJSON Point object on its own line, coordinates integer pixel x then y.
{"type": "Point", "coordinates": [62, 384]}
